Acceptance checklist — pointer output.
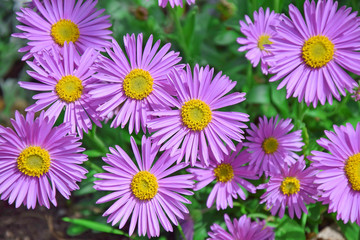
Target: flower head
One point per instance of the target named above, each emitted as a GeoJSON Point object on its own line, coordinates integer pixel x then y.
{"type": "Point", "coordinates": [36, 159]}
{"type": "Point", "coordinates": [270, 144]}
{"type": "Point", "coordinates": [258, 35]}
{"type": "Point", "coordinates": [57, 22]}
{"type": "Point", "coordinates": [309, 55]}
{"type": "Point", "coordinates": [243, 229]}
{"type": "Point", "coordinates": [136, 82]}
{"type": "Point", "coordinates": [293, 187]}
{"type": "Point", "coordinates": [338, 176]}
{"type": "Point", "coordinates": [195, 126]}
{"type": "Point", "coordinates": [229, 175]}
{"type": "Point", "coordinates": [144, 190]}
{"type": "Point", "coordinates": [173, 3]}
{"type": "Point", "coordinates": [65, 79]}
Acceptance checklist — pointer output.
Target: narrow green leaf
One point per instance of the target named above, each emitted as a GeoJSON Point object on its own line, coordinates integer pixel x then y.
{"type": "Point", "coordinates": [95, 226]}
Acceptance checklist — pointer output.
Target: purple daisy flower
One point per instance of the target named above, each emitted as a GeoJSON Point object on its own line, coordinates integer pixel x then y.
{"type": "Point", "coordinates": [309, 55]}
{"type": "Point", "coordinates": [146, 191]}
{"type": "Point", "coordinates": [293, 187]}
{"type": "Point", "coordinates": [66, 83]}
{"type": "Point", "coordinates": [173, 3]}
{"type": "Point", "coordinates": [57, 22]}
{"type": "Point", "coordinates": [134, 84]}
{"type": "Point", "coordinates": [36, 159]}
{"type": "Point", "coordinates": [270, 144]}
{"type": "Point", "coordinates": [195, 124]}
{"type": "Point", "coordinates": [243, 229]}
{"type": "Point", "coordinates": [258, 35]}
{"type": "Point", "coordinates": [229, 174]}
{"type": "Point", "coordinates": [338, 178]}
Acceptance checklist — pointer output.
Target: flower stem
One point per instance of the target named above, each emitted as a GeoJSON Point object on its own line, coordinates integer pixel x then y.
{"type": "Point", "coordinates": [181, 232]}
{"type": "Point", "coordinates": [97, 141]}
{"type": "Point", "coordinates": [180, 32]}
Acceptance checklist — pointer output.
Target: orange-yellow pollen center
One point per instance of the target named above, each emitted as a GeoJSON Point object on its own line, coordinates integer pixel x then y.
{"type": "Point", "coordinates": [352, 171]}
{"type": "Point", "coordinates": [144, 185]}
{"type": "Point", "coordinates": [34, 161]}
{"type": "Point", "coordinates": [65, 30]}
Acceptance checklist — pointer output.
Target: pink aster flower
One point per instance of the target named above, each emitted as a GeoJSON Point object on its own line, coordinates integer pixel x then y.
{"type": "Point", "coordinates": [173, 3]}
{"type": "Point", "coordinates": [271, 144]}
{"type": "Point", "coordinates": [36, 159]}
{"type": "Point", "coordinates": [309, 55]}
{"type": "Point", "coordinates": [243, 229]}
{"type": "Point", "coordinates": [65, 83]}
{"type": "Point", "coordinates": [57, 22]}
{"type": "Point", "coordinates": [145, 191]}
{"type": "Point", "coordinates": [195, 126]}
{"type": "Point", "coordinates": [258, 35]}
{"type": "Point", "coordinates": [135, 83]}
{"type": "Point", "coordinates": [292, 187]}
{"type": "Point", "coordinates": [229, 175]}
{"type": "Point", "coordinates": [338, 178]}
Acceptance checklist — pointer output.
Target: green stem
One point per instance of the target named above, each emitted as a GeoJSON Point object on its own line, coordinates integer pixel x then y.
{"type": "Point", "coordinates": [98, 142]}
{"type": "Point", "coordinates": [303, 220]}
{"type": "Point", "coordinates": [93, 166]}
{"type": "Point", "coordinates": [181, 40]}
{"type": "Point", "coordinates": [181, 232]}
{"type": "Point", "coordinates": [277, 6]}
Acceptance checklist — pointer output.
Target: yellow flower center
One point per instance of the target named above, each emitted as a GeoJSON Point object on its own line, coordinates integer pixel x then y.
{"type": "Point", "coordinates": [65, 30]}
{"type": "Point", "coordinates": [317, 51]}
{"type": "Point", "coordinates": [34, 161]}
{"type": "Point", "coordinates": [290, 185]}
{"type": "Point", "coordinates": [263, 40]}
{"type": "Point", "coordinates": [196, 114]}
{"type": "Point", "coordinates": [352, 171]}
{"type": "Point", "coordinates": [144, 185]}
{"type": "Point", "coordinates": [224, 172]}
{"type": "Point", "coordinates": [138, 84]}
{"type": "Point", "coordinates": [270, 145]}
{"type": "Point", "coordinates": [69, 88]}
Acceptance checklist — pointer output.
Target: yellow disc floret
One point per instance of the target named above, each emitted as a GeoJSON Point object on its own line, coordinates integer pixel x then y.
{"type": "Point", "coordinates": [317, 51]}
{"type": "Point", "coordinates": [263, 40]}
{"type": "Point", "coordinates": [34, 161]}
{"type": "Point", "coordinates": [144, 185]}
{"type": "Point", "coordinates": [224, 172]}
{"type": "Point", "coordinates": [270, 145]}
{"type": "Point", "coordinates": [69, 88]}
{"type": "Point", "coordinates": [352, 171]}
{"type": "Point", "coordinates": [138, 84]}
{"type": "Point", "coordinates": [65, 30]}
{"type": "Point", "coordinates": [195, 114]}
{"type": "Point", "coordinates": [290, 185]}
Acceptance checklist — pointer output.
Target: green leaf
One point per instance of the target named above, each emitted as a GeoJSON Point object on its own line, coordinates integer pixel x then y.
{"type": "Point", "coordinates": [289, 229]}
{"type": "Point", "coordinates": [259, 94]}
{"type": "Point", "coordinates": [278, 98]}
{"type": "Point", "coordinates": [226, 37]}
{"type": "Point", "coordinates": [189, 25]}
{"type": "Point", "coordinates": [93, 153]}
{"type": "Point", "coordinates": [350, 230]}
{"type": "Point", "coordinates": [95, 226]}
{"type": "Point", "coordinates": [75, 230]}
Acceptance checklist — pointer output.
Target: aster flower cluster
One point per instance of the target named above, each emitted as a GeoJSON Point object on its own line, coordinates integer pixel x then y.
{"type": "Point", "coordinates": [308, 55]}
{"type": "Point", "coordinates": [189, 142]}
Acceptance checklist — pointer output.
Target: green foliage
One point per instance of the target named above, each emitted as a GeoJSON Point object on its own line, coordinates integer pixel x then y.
{"type": "Point", "coordinates": [81, 225]}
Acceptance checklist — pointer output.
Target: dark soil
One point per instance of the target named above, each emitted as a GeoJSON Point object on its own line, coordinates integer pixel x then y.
{"type": "Point", "coordinates": [40, 224]}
